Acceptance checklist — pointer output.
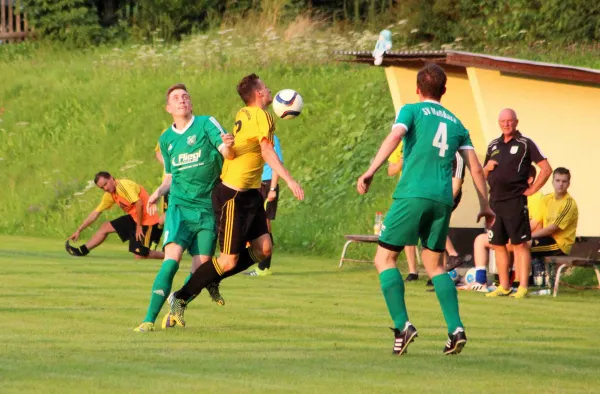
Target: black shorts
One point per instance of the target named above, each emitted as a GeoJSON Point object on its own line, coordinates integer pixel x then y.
{"type": "Point", "coordinates": [457, 200]}
{"type": "Point", "coordinates": [545, 246]}
{"type": "Point", "coordinates": [125, 228]}
{"type": "Point", "coordinates": [512, 222]}
{"type": "Point", "coordinates": [240, 217]}
{"type": "Point", "coordinates": [270, 207]}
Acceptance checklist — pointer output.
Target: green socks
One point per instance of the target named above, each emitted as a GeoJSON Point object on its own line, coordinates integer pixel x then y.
{"type": "Point", "coordinates": [161, 288]}
{"type": "Point", "coordinates": [392, 287]}
{"type": "Point", "coordinates": [448, 298]}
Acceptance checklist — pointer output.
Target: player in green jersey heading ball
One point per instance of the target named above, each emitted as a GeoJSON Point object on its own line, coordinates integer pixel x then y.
{"type": "Point", "coordinates": [422, 203]}
{"type": "Point", "coordinates": [193, 149]}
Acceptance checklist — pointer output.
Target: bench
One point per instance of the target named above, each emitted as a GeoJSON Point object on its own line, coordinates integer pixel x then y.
{"type": "Point", "coordinates": [584, 254]}
{"type": "Point", "coordinates": [356, 238]}
{"type": "Point", "coordinates": [361, 239]}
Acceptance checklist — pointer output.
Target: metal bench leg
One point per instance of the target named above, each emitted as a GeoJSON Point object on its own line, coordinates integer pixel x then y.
{"type": "Point", "coordinates": [557, 280]}
{"type": "Point", "coordinates": [344, 253]}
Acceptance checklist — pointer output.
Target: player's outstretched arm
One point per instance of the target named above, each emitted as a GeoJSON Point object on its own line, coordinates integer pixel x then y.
{"type": "Point", "coordinates": [88, 221]}
{"type": "Point", "coordinates": [470, 157]}
{"type": "Point", "coordinates": [158, 193]}
{"type": "Point", "coordinates": [390, 143]}
{"type": "Point", "coordinates": [272, 193]}
{"type": "Point", "coordinates": [270, 156]}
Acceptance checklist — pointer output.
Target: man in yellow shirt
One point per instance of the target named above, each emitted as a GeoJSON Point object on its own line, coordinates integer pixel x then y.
{"type": "Point", "coordinates": [237, 202]}
{"type": "Point", "coordinates": [558, 219]}
{"type": "Point", "coordinates": [138, 226]}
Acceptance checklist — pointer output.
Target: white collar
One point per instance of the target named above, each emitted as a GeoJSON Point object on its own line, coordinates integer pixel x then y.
{"type": "Point", "coordinates": [187, 126]}
{"type": "Point", "coordinates": [431, 101]}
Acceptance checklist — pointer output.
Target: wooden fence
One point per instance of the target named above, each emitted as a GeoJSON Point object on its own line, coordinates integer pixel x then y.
{"type": "Point", "coordinates": [13, 21]}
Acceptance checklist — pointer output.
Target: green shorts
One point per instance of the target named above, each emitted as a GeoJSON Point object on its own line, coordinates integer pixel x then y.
{"type": "Point", "coordinates": [191, 228]}
{"type": "Point", "coordinates": [411, 219]}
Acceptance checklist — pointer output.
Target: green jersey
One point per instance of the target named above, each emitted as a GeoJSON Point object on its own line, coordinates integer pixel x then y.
{"type": "Point", "coordinates": [192, 158]}
{"type": "Point", "coordinates": [433, 136]}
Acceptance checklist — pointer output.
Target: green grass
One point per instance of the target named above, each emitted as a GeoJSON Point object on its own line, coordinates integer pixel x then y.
{"type": "Point", "coordinates": [69, 116]}
{"type": "Point", "coordinates": [65, 326]}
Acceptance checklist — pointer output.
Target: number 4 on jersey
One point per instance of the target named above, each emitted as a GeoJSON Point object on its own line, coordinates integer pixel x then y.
{"type": "Point", "coordinates": [441, 138]}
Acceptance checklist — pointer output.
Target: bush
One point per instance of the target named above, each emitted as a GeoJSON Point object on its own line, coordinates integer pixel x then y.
{"type": "Point", "coordinates": [74, 22]}
{"type": "Point", "coordinates": [479, 23]}
{"type": "Point", "coordinates": [488, 22]}
{"type": "Point", "coordinates": [175, 18]}
{"type": "Point", "coordinates": [573, 20]}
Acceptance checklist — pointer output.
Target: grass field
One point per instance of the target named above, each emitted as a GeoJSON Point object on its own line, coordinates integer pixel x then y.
{"type": "Point", "coordinates": [65, 327]}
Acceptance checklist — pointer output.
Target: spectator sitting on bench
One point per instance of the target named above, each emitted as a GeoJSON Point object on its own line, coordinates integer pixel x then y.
{"type": "Point", "coordinates": [482, 245]}
{"type": "Point", "coordinates": [558, 219]}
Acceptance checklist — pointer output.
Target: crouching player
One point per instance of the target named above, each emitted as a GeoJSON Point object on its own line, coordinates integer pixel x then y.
{"type": "Point", "coordinates": [138, 226]}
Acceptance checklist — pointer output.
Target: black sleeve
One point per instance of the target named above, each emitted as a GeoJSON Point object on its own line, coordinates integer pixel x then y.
{"type": "Point", "coordinates": [458, 167]}
{"type": "Point", "coordinates": [536, 154]}
{"type": "Point", "coordinates": [487, 155]}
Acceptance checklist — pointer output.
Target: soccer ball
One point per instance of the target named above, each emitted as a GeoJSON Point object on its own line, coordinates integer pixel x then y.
{"type": "Point", "coordinates": [287, 104]}
{"type": "Point", "coordinates": [470, 276]}
{"type": "Point", "coordinates": [454, 275]}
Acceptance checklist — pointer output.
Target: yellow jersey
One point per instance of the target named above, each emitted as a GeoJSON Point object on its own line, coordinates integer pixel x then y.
{"type": "Point", "coordinates": [396, 155]}
{"type": "Point", "coordinates": [157, 150]}
{"type": "Point", "coordinates": [126, 194]}
{"type": "Point", "coordinates": [534, 205]}
{"type": "Point", "coordinates": [252, 125]}
{"type": "Point", "coordinates": [564, 214]}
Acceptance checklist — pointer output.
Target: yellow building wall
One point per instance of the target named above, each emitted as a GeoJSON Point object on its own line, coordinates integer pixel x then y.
{"type": "Point", "coordinates": [458, 99]}
{"type": "Point", "coordinates": [561, 117]}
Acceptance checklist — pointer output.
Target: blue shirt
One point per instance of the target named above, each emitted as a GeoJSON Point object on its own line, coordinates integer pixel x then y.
{"type": "Point", "coordinates": [267, 170]}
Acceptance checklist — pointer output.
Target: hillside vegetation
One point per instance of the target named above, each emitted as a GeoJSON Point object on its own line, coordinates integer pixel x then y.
{"type": "Point", "coordinates": [64, 115]}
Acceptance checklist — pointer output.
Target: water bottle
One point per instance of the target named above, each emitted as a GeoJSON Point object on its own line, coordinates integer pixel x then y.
{"type": "Point", "coordinates": [539, 273]}
{"type": "Point", "coordinates": [543, 292]}
{"type": "Point", "coordinates": [378, 222]}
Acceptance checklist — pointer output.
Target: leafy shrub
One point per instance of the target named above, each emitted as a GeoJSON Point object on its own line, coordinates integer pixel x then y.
{"type": "Point", "coordinates": [74, 22]}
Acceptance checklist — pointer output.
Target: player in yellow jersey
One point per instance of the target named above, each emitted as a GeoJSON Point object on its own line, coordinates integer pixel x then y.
{"type": "Point", "coordinates": [557, 233]}
{"type": "Point", "coordinates": [137, 226]}
{"type": "Point", "coordinates": [237, 201]}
